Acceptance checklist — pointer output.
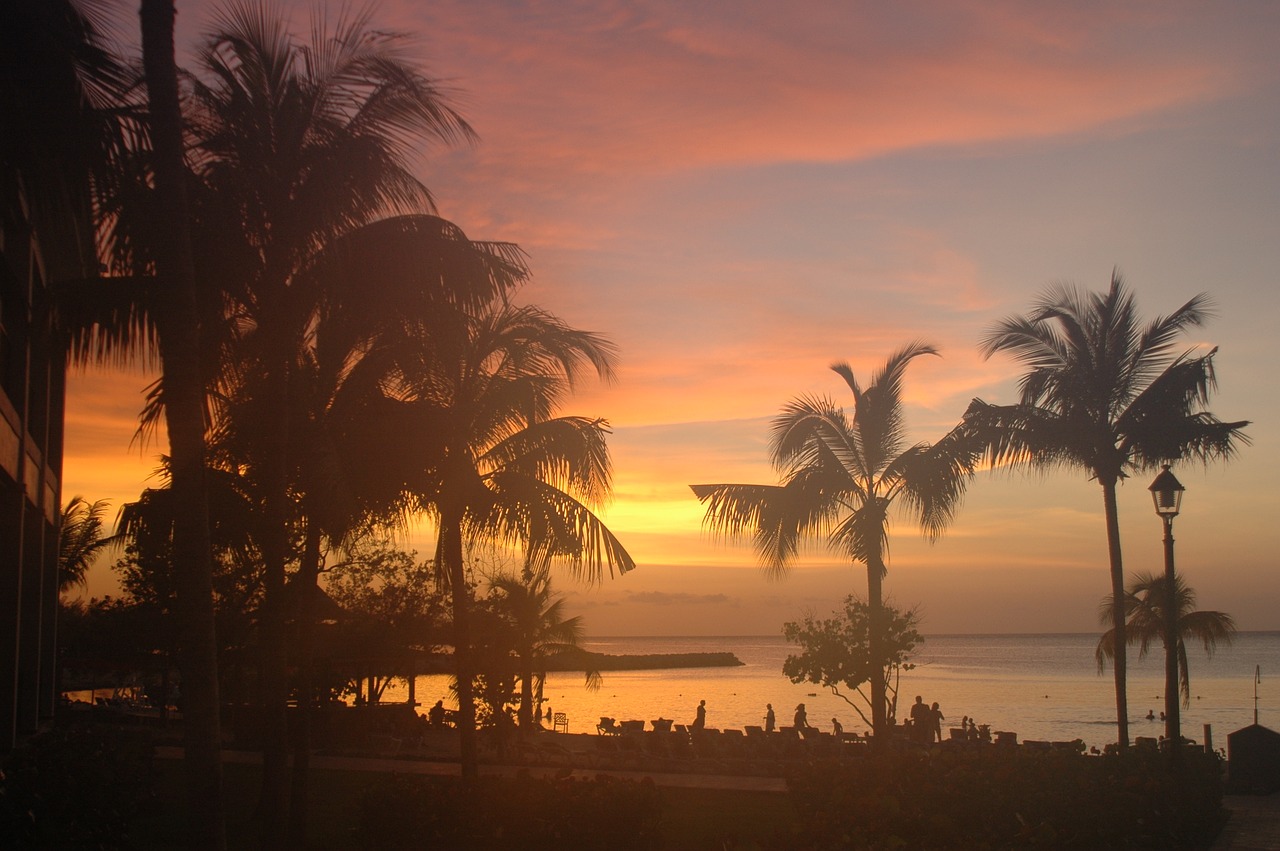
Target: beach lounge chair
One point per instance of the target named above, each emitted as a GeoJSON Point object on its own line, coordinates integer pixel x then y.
{"type": "Point", "coordinates": [608, 727]}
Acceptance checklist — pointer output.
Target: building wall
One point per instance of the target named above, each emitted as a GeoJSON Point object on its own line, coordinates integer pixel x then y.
{"type": "Point", "coordinates": [32, 378]}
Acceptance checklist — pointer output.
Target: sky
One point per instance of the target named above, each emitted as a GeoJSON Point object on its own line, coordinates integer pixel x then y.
{"type": "Point", "coordinates": [741, 194]}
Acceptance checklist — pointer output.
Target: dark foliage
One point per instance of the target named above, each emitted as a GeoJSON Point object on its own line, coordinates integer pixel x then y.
{"type": "Point", "coordinates": [502, 813]}
{"type": "Point", "coordinates": [1015, 798]}
{"type": "Point", "coordinates": [75, 787]}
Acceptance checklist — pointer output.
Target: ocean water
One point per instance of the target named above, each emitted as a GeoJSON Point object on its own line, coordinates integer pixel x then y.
{"type": "Point", "coordinates": [1042, 687]}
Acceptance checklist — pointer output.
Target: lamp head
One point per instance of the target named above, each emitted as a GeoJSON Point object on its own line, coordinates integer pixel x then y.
{"type": "Point", "coordinates": [1166, 493]}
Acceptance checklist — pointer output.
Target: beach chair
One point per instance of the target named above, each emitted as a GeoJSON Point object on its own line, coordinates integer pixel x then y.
{"type": "Point", "coordinates": [560, 723]}
{"type": "Point", "coordinates": [608, 727]}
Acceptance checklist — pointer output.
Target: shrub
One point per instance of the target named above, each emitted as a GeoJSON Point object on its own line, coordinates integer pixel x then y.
{"type": "Point", "coordinates": [405, 811]}
{"type": "Point", "coordinates": [75, 787]}
{"type": "Point", "coordinates": [1007, 799]}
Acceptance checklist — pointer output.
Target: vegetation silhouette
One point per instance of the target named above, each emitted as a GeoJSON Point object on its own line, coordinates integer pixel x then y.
{"type": "Point", "coordinates": [502, 468]}
{"type": "Point", "coordinates": [1145, 624]}
{"type": "Point", "coordinates": [1105, 394]}
{"type": "Point", "coordinates": [836, 653]}
{"type": "Point", "coordinates": [540, 633]}
{"type": "Point", "coordinates": [82, 537]}
{"type": "Point", "coordinates": [841, 476]}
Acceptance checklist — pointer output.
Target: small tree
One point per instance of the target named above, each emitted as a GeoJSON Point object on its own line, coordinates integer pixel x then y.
{"type": "Point", "coordinates": [836, 653]}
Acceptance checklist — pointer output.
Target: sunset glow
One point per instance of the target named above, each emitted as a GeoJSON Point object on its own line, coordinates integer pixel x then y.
{"type": "Point", "coordinates": [740, 196]}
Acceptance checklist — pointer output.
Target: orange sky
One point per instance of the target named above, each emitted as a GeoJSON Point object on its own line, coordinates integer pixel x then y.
{"type": "Point", "coordinates": [741, 194]}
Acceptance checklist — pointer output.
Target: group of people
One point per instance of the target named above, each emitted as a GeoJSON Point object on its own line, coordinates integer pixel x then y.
{"type": "Point", "coordinates": [800, 720]}
{"type": "Point", "coordinates": [926, 722]}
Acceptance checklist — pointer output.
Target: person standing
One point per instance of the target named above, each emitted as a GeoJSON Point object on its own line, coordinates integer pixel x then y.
{"type": "Point", "coordinates": [935, 717]}
{"type": "Point", "coordinates": [920, 727]}
{"type": "Point", "coordinates": [770, 720]}
{"type": "Point", "coordinates": [700, 720]}
{"type": "Point", "coordinates": [801, 721]}
{"type": "Point", "coordinates": [837, 729]}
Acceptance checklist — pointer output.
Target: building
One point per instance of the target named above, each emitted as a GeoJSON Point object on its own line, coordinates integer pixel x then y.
{"type": "Point", "coordinates": [32, 380]}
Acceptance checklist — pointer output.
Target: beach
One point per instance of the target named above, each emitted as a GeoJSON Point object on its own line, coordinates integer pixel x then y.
{"type": "Point", "coordinates": [1042, 687]}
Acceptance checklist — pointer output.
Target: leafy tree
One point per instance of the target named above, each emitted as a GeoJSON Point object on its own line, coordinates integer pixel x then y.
{"type": "Point", "coordinates": [394, 610]}
{"type": "Point", "coordinates": [1144, 613]}
{"type": "Point", "coordinates": [841, 476]}
{"type": "Point", "coordinates": [1107, 395]}
{"type": "Point", "coordinates": [838, 653]}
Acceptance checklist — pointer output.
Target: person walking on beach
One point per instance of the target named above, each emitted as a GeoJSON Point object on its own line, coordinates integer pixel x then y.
{"type": "Point", "coordinates": [700, 721]}
{"type": "Point", "coordinates": [801, 721]}
{"type": "Point", "coordinates": [770, 720]}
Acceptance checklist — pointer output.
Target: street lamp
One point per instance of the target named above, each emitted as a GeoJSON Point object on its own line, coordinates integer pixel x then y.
{"type": "Point", "coordinates": [1166, 493]}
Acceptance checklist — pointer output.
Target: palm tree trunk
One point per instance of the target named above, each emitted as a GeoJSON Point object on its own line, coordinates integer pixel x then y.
{"type": "Point", "coordinates": [178, 328]}
{"type": "Point", "coordinates": [526, 692]}
{"type": "Point", "coordinates": [273, 683]}
{"type": "Point", "coordinates": [449, 548]}
{"type": "Point", "coordinates": [879, 702]}
{"type": "Point", "coordinates": [1117, 612]}
{"type": "Point", "coordinates": [307, 576]}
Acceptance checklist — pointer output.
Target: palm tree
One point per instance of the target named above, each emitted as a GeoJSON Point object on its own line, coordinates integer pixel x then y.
{"type": "Point", "coordinates": [296, 149]}
{"type": "Point", "coordinates": [1104, 394]}
{"type": "Point", "coordinates": [840, 478]}
{"type": "Point", "coordinates": [80, 540]}
{"type": "Point", "coordinates": [540, 632]}
{"type": "Point", "coordinates": [502, 467]}
{"type": "Point", "coordinates": [1145, 605]}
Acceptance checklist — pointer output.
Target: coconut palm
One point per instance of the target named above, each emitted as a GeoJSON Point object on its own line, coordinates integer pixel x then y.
{"type": "Point", "coordinates": [1105, 394]}
{"type": "Point", "coordinates": [295, 148]}
{"type": "Point", "coordinates": [502, 467]}
{"type": "Point", "coordinates": [841, 476]}
{"type": "Point", "coordinates": [1145, 604]}
{"type": "Point", "coordinates": [540, 632]}
{"type": "Point", "coordinates": [81, 538]}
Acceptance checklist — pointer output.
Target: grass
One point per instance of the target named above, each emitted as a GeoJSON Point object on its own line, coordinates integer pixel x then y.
{"type": "Point", "coordinates": [692, 819]}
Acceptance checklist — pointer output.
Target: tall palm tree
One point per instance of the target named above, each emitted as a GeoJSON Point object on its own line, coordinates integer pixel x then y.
{"type": "Point", "coordinates": [540, 631]}
{"type": "Point", "coordinates": [296, 147]}
{"type": "Point", "coordinates": [81, 538]}
{"type": "Point", "coordinates": [1108, 395]}
{"type": "Point", "coordinates": [502, 467]}
{"type": "Point", "coordinates": [1145, 603]}
{"type": "Point", "coordinates": [841, 476]}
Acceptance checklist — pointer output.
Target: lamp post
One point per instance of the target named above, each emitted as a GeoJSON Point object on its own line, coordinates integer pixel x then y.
{"type": "Point", "coordinates": [1166, 493]}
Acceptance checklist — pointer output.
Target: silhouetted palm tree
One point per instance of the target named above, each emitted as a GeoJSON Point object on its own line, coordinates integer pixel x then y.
{"type": "Point", "coordinates": [1144, 614]}
{"type": "Point", "coordinates": [295, 148]}
{"type": "Point", "coordinates": [1107, 395]}
{"type": "Point", "coordinates": [81, 538]}
{"type": "Point", "coordinates": [540, 631]}
{"type": "Point", "coordinates": [502, 467]}
{"type": "Point", "coordinates": [840, 478]}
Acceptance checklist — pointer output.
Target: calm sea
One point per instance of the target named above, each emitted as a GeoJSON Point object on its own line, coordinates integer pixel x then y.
{"type": "Point", "coordinates": [1039, 686]}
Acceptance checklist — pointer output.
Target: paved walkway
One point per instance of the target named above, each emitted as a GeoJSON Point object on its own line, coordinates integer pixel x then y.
{"type": "Point", "coordinates": [1254, 823]}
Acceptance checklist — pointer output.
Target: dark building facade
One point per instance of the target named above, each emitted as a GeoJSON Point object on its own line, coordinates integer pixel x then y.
{"type": "Point", "coordinates": [32, 383]}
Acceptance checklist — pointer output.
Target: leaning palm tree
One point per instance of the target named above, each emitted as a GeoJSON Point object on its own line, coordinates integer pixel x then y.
{"type": "Point", "coordinates": [841, 476]}
{"type": "Point", "coordinates": [503, 468]}
{"type": "Point", "coordinates": [1107, 395]}
{"type": "Point", "coordinates": [540, 632]}
{"type": "Point", "coordinates": [1145, 623]}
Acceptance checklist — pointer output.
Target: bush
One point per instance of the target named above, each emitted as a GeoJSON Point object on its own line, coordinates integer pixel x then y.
{"type": "Point", "coordinates": [1007, 799]}
{"type": "Point", "coordinates": [75, 787]}
{"type": "Point", "coordinates": [407, 811]}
